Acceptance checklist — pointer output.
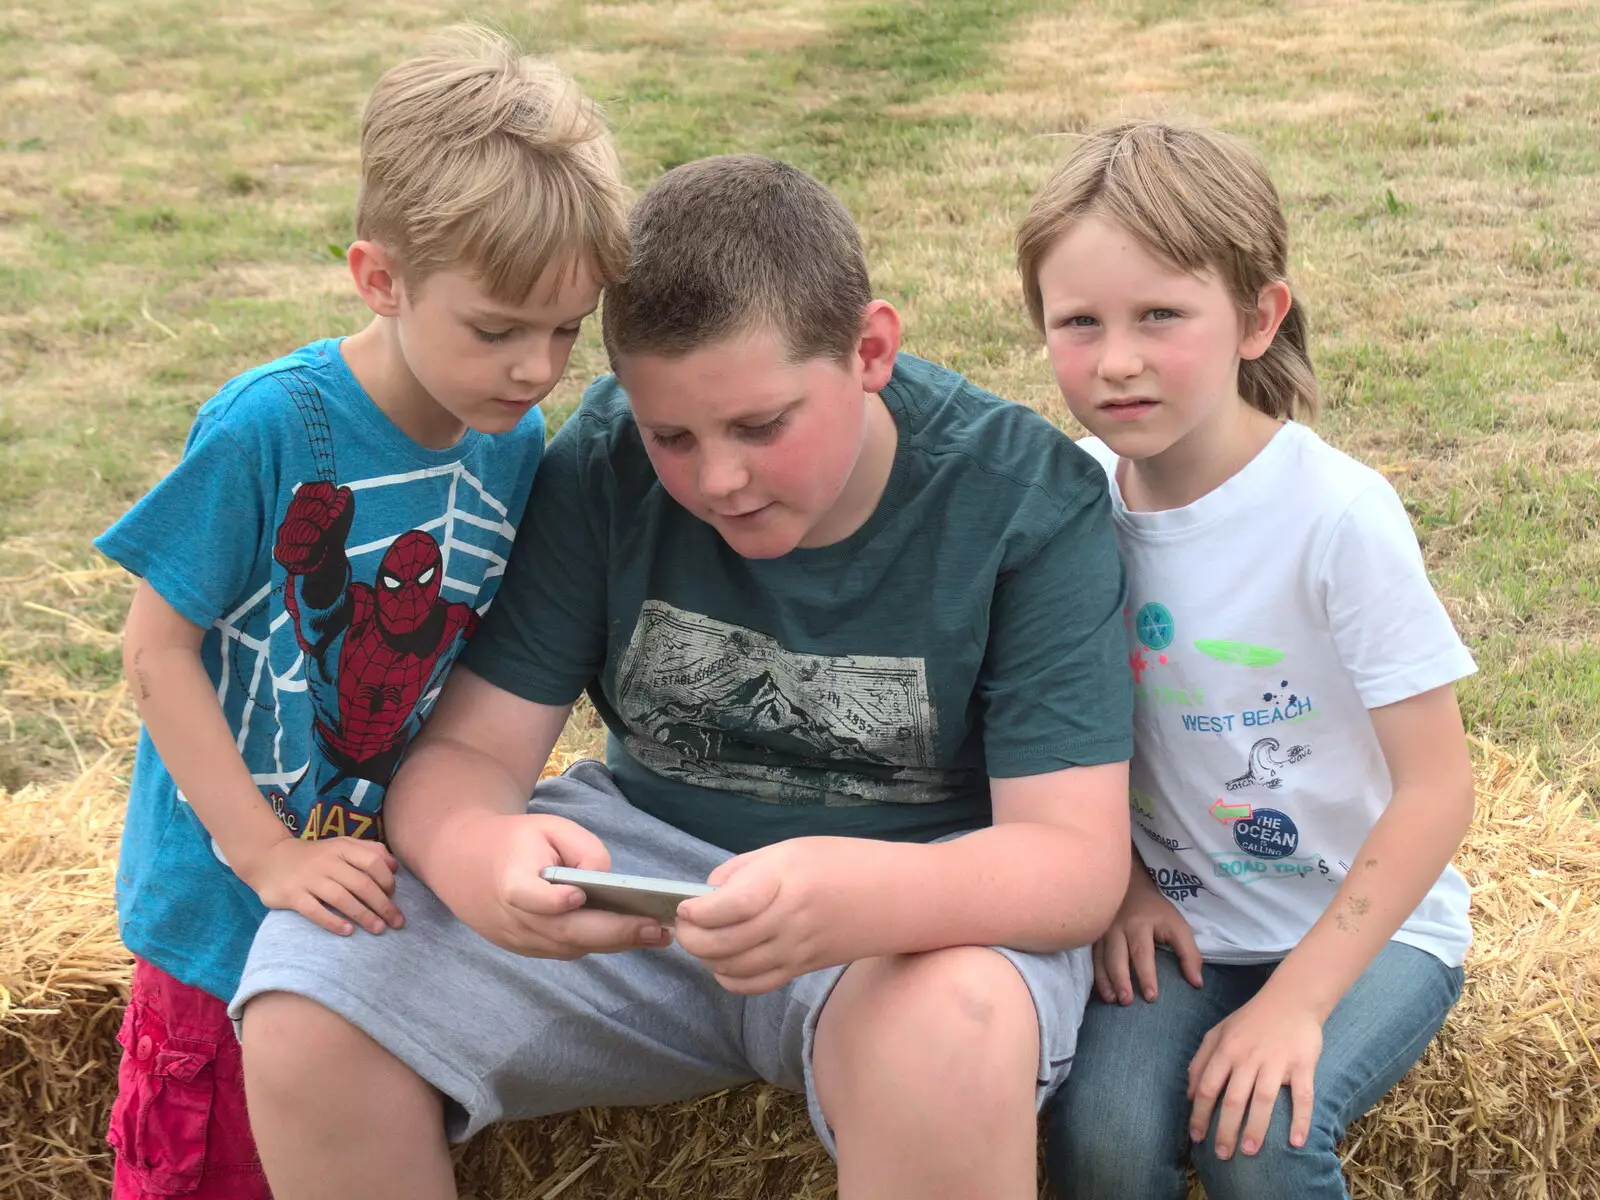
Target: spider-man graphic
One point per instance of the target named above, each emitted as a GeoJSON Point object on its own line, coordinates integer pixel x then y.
{"type": "Point", "coordinates": [373, 651]}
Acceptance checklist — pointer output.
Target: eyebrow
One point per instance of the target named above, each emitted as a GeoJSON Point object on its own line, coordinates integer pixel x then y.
{"type": "Point", "coordinates": [764, 416]}
{"type": "Point", "coordinates": [501, 314]}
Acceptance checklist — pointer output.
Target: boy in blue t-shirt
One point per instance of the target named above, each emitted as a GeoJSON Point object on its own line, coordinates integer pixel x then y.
{"type": "Point", "coordinates": [309, 571]}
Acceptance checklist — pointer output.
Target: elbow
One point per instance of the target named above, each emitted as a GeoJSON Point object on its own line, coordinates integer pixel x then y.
{"type": "Point", "coordinates": [1111, 888]}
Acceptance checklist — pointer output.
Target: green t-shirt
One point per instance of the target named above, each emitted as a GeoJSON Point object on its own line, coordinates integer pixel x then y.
{"type": "Point", "coordinates": [972, 628]}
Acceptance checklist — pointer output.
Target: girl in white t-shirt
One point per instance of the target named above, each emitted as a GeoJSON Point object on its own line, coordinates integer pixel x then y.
{"type": "Point", "coordinates": [1292, 934]}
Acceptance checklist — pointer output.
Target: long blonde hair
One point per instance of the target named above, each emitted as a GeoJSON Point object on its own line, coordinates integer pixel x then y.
{"type": "Point", "coordinates": [1200, 202]}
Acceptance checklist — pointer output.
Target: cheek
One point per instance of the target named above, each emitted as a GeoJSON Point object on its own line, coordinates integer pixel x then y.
{"type": "Point", "coordinates": [1072, 363]}
{"type": "Point", "coordinates": [676, 473]}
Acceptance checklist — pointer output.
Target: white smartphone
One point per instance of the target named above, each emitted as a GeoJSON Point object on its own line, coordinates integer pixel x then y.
{"type": "Point", "coordinates": [631, 895]}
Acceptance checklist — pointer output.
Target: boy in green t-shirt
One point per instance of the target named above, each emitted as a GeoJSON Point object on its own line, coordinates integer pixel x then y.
{"type": "Point", "coordinates": [856, 629]}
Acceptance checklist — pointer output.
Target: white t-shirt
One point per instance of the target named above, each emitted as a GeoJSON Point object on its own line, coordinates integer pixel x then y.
{"type": "Point", "coordinates": [1264, 620]}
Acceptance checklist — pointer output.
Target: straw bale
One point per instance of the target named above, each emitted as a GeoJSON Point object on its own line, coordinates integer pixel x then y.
{"type": "Point", "coordinates": [1506, 1104]}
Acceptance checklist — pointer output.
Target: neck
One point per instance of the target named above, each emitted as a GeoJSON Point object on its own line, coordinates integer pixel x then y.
{"type": "Point", "coordinates": [862, 491]}
{"type": "Point", "coordinates": [1198, 463]}
{"type": "Point", "coordinates": [375, 359]}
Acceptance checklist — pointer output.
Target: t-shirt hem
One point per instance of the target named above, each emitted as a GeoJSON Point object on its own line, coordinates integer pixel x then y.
{"type": "Point", "coordinates": [1059, 758]}
{"type": "Point", "coordinates": [1447, 667]}
{"type": "Point", "coordinates": [509, 677]}
{"type": "Point", "coordinates": [152, 567]}
{"type": "Point", "coordinates": [180, 966]}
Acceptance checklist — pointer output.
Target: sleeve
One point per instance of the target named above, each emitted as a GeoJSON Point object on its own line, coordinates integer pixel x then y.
{"type": "Point", "coordinates": [544, 637]}
{"type": "Point", "coordinates": [1055, 689]}
{"type": "Point", "coordinates": [197, 536]}
{"type": "Point", "coordinates": [1392, 633]}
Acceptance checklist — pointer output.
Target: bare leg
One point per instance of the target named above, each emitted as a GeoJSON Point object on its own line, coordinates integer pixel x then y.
{"type": "Point", "coordinates": [335, 1115]}
{"type": "Point", "coordinates": [925, 1069]}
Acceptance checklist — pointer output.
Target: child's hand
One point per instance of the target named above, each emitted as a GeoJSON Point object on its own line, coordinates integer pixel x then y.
{"type": "Point", "coordinates": [1145, 918]}
{"type": "Point", "coordinates": [779, 912]}
{"type": "Point", "coordinates": [494, 885]}
{"type": "Point", "coordinates": [322, 879]}
{"type": "Point", "coordinates": [1252, 1054]}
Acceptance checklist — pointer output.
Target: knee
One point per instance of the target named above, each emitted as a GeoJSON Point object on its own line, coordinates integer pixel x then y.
{"type": "Point", "coordinates": [290, 1043]}
{"type": "Point", "coordinates": [1277, 1168]}
{"type": "Point", "coordinates": [961, 1019]}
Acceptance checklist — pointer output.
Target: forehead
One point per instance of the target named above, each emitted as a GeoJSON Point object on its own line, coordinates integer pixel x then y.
{"type": "Point", "coordinates": [567, 288]}
{"type": "Point", "coordinates": [730, 379]}
{"type": "Point", "coordinates": [1096, 256]}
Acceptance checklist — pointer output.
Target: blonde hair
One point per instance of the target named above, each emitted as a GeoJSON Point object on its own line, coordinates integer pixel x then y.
{"type": "Point", "coordinates": [1200, 202]}
{"type": "Point", "coordinates": [475, 156]}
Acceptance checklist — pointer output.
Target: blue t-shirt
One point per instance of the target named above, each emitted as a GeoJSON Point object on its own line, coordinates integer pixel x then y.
{"type": "Point", "coordinates": [337, 568]}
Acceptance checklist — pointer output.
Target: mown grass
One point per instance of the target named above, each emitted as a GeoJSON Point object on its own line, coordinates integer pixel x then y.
{"type": "Point", "coordinates": [172, 180]}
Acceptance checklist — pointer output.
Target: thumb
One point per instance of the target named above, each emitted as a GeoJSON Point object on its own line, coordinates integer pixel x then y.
{"type": "Point", "coordinates": [575, 846]}
{"type": "Point", "coordinates": [728, 869]}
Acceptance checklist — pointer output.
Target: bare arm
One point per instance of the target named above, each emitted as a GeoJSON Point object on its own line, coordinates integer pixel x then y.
{"type": "Point", "coordinates": [1401, 859]}
{"type": "Point", "coordinates": [178, 704]}
{"type": "Point", "coordinates": [326, 881]}
{"type": "Point", "coordinates": [479, 754]}
{"type": "Point", "coordinates": [1049, 874]}
{"type": "Point", "coordinates": [457, 816]}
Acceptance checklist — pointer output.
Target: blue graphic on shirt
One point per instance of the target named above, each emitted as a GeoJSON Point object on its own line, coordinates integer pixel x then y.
{"type": "Point", "coordinates": [1267, 833]}
{"type": "Point", "coordinates": [1154, 626]}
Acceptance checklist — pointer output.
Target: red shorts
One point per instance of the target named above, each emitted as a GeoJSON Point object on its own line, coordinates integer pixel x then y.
{"type": "Point", "coordinates": [179, 1125]}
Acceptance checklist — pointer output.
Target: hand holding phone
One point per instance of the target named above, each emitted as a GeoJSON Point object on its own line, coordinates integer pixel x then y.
{"type": "Point", "coordinates": [631, 895]}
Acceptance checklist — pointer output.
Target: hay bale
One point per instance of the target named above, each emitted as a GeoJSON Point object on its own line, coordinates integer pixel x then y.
{"type": "Point", "coordinates": [1506, 1104]}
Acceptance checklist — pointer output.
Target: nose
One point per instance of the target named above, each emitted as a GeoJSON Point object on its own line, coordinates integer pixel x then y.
{"type": "Point", "coordinates": [536, 366]}
{"type": "Point", "coordinates": [1119, 357]}
{"type": "Point", "coordinates": [722, 472]}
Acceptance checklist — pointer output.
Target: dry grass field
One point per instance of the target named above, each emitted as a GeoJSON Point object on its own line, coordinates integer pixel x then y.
{"type": "Point", "coordinates": [176, 179]}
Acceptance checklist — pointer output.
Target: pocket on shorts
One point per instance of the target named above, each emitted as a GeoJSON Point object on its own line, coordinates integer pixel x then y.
{"type": "Point", "coordinates": [165, 1090]}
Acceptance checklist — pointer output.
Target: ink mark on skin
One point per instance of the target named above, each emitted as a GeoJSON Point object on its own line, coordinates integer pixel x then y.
{"type": "Point", "coordinates": [140, 674]}
{"type": "Point", "coordinates": [1351, 922]}
{"type": "Point", "coordinates": [1371, 862]}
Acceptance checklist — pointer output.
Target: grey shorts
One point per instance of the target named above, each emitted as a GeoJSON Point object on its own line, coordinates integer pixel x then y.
{"type": "Point", "coordinates": [505, 1037]}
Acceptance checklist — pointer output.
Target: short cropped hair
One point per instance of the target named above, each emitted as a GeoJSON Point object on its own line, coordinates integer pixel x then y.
{"type": "Point", "coordinates": [475, 157]}
{"type": "Point", "coordinates": [1199, 201]}
{"type": "Point", "coordinates": [733, 245]}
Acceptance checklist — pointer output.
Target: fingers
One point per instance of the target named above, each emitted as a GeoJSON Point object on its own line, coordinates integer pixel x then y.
{"type": "Point", "coordinates": [1102, 983]}
{"type": "Point", "coordinates": [1142, 957]}
{"type": "Point", "coordinates": [315, 911]}
{"type": "Point", "coordinates": [1302, 1092]}
{"type": "Point", "coordinates": [1180, 940]}
{"type": "Point", "coordinates": [1263, 1099]}
{"type": "Point", "coordinates": [583, 931]}
{"type": "Point", "coordinates": [1117, 966]}
{"type": "Point", "coordinates": [743, 896]}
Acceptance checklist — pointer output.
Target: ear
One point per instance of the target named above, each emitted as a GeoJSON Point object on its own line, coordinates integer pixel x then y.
{"type": "Point", "coordinates": [878, 345]}
{"type": "Point", "coordinates": [375, 277]}
{"type": "Point", "coordinates": [1261, 326]}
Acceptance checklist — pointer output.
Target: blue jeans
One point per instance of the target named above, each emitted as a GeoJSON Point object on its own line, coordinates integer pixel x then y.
{"type": "Point", "coordinates": [1119, 1127]}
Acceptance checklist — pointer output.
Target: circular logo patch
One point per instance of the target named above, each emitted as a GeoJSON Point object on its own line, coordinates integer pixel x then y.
{"type": "Point", "coordinates": [1267, 833]}
{"type": "Point", "coordinates": [1154, 626]}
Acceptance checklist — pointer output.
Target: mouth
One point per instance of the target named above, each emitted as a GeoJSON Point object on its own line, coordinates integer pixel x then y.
{"type": "Point", "coordinates": [514, 402]}
{"type": "Point", "coordinates": [746, 515]}
{"type": "Point", "coordinates": [1128, 407]}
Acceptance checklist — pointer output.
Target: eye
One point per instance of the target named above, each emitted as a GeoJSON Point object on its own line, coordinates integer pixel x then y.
{"type": "Point", "coordinates": [1163, 314]}
{"type": "Point", "coordinates": [1078, 321]}
{"type": "Point", "coordinates": [426, 575]}
{"type": "Point", "coordinates": [390, 582]}
{"type": "Point", "coordinates": [491, 335]}
{"type": "Point", "coordinates": [671, 441]}
{"type": "Point", "coordinates": [765, 432]}
{"type": "Point", "coordinates": [570, 331]}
